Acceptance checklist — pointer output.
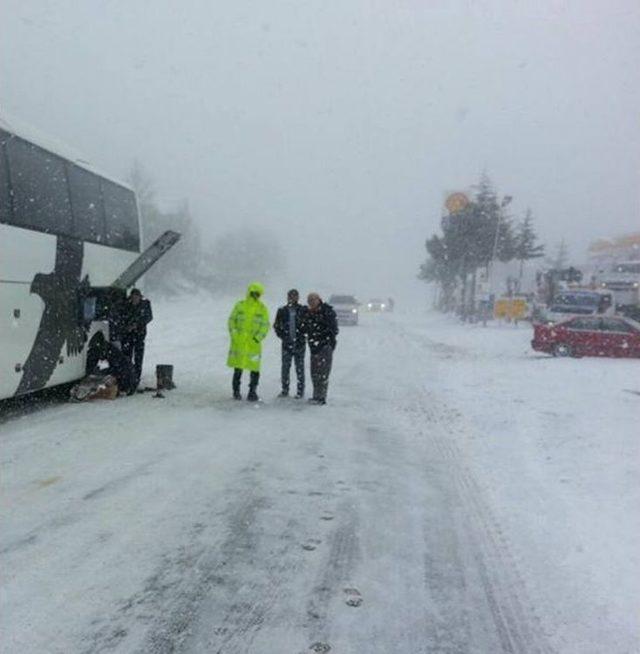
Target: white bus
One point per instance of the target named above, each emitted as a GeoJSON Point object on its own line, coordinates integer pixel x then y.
{"type": "Point", "coordinates": [64, 229]}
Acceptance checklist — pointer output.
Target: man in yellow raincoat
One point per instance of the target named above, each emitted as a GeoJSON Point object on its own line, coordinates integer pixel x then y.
{"type": "Point", "coordinates": [248, 326]}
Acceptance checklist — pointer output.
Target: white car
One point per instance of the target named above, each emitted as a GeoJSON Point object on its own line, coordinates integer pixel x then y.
{"type": "Point", "coordinates": [377, 306]}
{"type": "Point", "coordinates": [346, 308]}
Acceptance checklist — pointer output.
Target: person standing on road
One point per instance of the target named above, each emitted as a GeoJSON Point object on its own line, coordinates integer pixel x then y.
{"type": "Point", "coordinates": [248, 326]}
{"type": "Point", "coordinates": [321, 328]}
{"type": "Point", "coordinates": [288, 328]}
{"type": "Point", "coordinates": [136, 315]}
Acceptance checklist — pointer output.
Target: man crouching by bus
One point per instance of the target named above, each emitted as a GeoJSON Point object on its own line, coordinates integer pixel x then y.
{"type": "Point", "coordinates": [136, 315]}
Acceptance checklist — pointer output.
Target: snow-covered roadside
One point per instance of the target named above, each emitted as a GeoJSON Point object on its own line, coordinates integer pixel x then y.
{"type": "Point", "coordinates": [554, 443]}
{"type": "Point", "coordinates": [196, 524]}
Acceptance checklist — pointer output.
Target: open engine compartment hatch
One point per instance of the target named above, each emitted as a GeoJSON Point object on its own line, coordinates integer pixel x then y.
{"type": "Point", "coordinates": [140, 266]}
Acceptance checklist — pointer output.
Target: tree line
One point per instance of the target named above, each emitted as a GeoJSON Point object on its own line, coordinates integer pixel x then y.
{"type": "Point", "coordinates": [470, 239]}
{"type": "Point", "coordinates": [219, 265]}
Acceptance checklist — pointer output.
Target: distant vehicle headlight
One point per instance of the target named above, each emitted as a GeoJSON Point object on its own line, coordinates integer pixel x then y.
{"type": "Point", "coordinates": [354, 311]}
{"type": "Point", "coordinates": [370, 306]}
{"type": "Point", "coordinates": [603, 284]}
{"type": "Point", "coordinates": [635, 284]}
{"type": "Point", "coordinates": [382, 306]}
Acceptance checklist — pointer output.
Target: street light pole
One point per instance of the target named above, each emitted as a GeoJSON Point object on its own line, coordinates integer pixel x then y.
{"type": "Point", "coordinates": [506, 200]}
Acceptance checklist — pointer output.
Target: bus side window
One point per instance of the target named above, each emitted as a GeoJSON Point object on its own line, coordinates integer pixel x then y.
{"type": "Point", "coordinates": [87, 205]}
{"type": "Point", "coordinates": [121, 217]}
{"type": "Point", "coordinates": [5, 199]}
{"type": "Point", "coordinates": [40, 194]}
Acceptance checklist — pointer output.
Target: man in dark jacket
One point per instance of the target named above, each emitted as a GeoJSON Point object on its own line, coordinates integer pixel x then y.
{"type": "Point", "coordinates": [136, 315]}
{"type": "Point", "coordinates": [321, 327]}
{"type": "Point", "coordinates": [119, 365]}
{"type": "Point", "coordinates": [288, 328]}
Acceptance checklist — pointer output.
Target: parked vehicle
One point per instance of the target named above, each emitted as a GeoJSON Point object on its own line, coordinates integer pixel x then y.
{"type": "Point", "coordinates": [552, 281]}
{"type": "Point", "coordinates": [632, 312]}
{"type": "Point", "coordinates": [603, 336]}
{"type": "Point", "coordinates": [623, 280]}
{"type": "Point", "coordinates": [377, 306]}
{"type": "Point", "coordinates": [67, 233]}
{"type": "Point", "coordinates": [346, 308]}
{"type": "Point", "coordinates": [579, 302]}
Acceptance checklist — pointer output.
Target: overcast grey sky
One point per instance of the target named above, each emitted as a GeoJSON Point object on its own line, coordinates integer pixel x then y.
{"type": "Point", "coordinates": [342, 124]}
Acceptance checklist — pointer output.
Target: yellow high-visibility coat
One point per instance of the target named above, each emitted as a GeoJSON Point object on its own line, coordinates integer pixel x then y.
{"type": "Point", "coordinates": [248, 326]}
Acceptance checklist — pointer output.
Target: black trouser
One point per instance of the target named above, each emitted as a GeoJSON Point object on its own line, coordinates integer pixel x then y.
{"type": "Point", "coordinates": [320, 370]}
{"type": "Point", "coordinates": [121, 368]}
{"type": "Point", "coordinates": [254, 378]}
{"type": "Point", "coordinates": [290, 353]}
{"type": "Point", "coordinates": [133, 349]}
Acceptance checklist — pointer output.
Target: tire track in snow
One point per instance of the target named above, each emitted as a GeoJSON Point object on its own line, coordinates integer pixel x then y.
{"type": "Point", "coordinates": [202, 575]}
{"type": "Point", "coordinates": [518, 628]}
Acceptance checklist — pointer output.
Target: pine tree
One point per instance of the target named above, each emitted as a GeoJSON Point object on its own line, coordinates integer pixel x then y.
{"type": "Point", "coordinates": [470, 239]}
{"type": "Point", "coordinates": [440, 268]}
{"type": "Point", "coordinates": [180, 265]}
{"type": "Point", "coordinates": [493, 235]}
{"type": "Point", "coordinates": [526, 246]}
{"type": "Point", "coordinates": [486, 217]}
{"type": "Point", "coordinates": [561, 257]}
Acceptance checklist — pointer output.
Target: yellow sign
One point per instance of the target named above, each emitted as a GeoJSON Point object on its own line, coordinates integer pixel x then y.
{"type": "Point", "coordinates": [510, 308]}
{"type": "Point", "coordinates": [456, 202]}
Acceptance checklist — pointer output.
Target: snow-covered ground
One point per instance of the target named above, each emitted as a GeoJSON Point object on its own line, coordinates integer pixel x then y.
{"type": "Point", "coordinates": [459, 494]}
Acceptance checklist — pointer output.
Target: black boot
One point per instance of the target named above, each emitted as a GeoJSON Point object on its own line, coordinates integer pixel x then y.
{"type": "Point", "coordinates": [235, 384]}
{"type": "Point", "coordinates": [253, 385]}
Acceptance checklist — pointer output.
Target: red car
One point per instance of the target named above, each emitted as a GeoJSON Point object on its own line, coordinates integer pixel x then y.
{"type": "Point", "coordinates": [596, 336]}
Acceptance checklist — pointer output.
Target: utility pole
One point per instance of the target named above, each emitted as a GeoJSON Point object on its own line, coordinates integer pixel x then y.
{"type": "Point", "coordinates": [506, 200]}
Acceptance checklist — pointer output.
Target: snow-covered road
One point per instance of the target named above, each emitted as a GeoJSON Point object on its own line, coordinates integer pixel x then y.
{"type": "Point", "coordinates": [459, 494]}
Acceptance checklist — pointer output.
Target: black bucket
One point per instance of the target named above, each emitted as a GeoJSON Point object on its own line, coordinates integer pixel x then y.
{"type": "Point", "coordinates": [164, 377]}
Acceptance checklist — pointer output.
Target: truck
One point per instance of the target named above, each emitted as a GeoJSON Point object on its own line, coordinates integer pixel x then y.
{"type": "Point", "coordinates": [623, 281]}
